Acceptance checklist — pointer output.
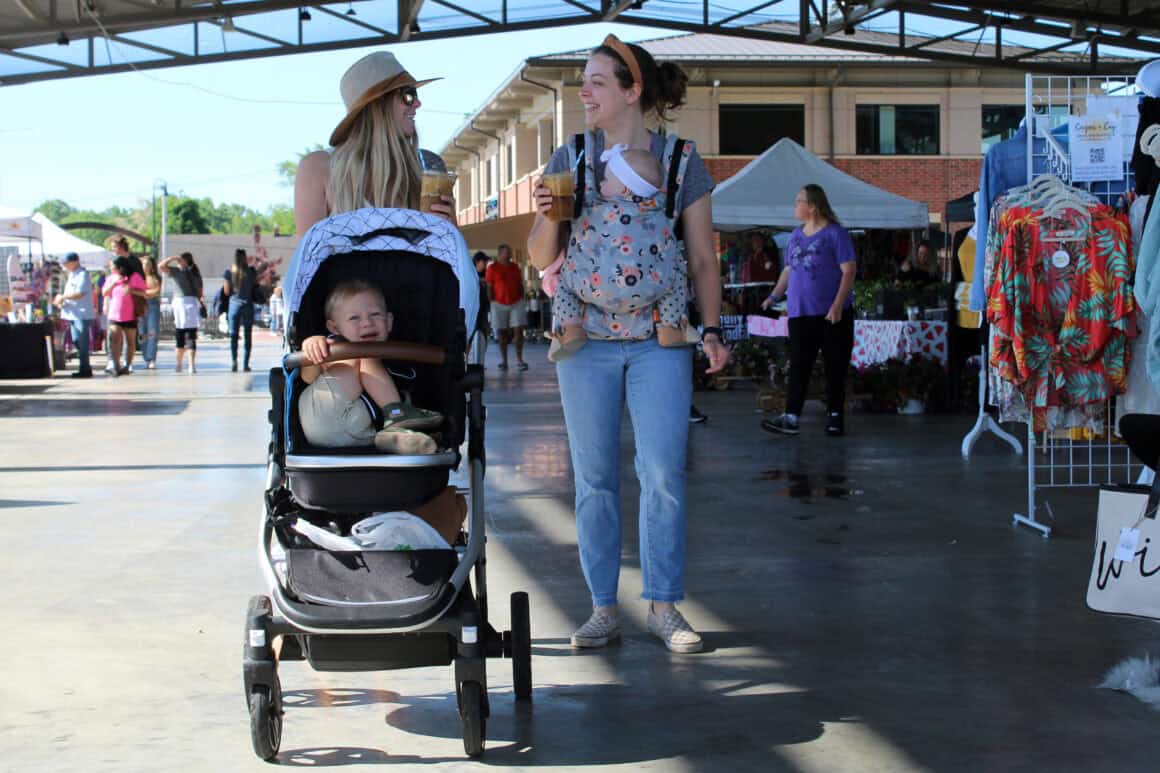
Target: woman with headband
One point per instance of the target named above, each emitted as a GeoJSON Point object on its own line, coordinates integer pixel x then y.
{"type": "Point", "coordinates": [622, 361]}
{"type": "Point", "coordinates": [375, 159]}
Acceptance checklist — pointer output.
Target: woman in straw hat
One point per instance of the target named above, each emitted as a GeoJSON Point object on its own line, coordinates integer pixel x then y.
{"type": "Point", "coordinates": [375, 159]}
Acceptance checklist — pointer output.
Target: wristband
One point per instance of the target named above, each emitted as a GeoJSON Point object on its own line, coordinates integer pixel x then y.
{"type": "Point", "coordinates": [712, 330]}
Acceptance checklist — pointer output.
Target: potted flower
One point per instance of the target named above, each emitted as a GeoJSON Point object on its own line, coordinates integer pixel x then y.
{"type": "Point", "coordinates": [917, 378]}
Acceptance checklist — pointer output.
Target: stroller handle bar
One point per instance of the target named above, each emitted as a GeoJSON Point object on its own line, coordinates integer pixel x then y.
{"type": "Point", "coordinates": [423, 354]}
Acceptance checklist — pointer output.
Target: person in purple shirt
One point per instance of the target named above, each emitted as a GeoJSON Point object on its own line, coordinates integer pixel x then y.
{"type": "Point", "coordinates": [818, 280]}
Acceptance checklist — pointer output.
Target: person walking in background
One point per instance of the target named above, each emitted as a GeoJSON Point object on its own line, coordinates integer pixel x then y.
{"type": "Point", "coordinates": [622, 364]}
{"type": "Point", "coordinates": [505, 285]}
{"type": "Point", "coordinates": [188, 305]}
{"type": "Point", "coordinates": [241, 282]}
{"type": "Point", "coordinates": [122, 286]}
{"type": "Point", "coordinates": [151, 323]}
{"type": "Point", "coordinates": [483, 318]}
{"type": "Point", "coordinates": [277, 309]}
{"type": "Point", "coordinates": [818, 280]}
{"type": "Point", "coordinates": [75, 302]}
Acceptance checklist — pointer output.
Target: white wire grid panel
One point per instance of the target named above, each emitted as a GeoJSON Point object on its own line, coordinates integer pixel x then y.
{"type": "Point", "coordinates": [1072, 458]}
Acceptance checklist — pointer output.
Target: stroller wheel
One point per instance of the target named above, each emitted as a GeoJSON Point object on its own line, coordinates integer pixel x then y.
{"type": "Point", "coordinates": [521, 647]}
{"type": "Point", "coordinates": [266, 721]}
{"type": "Point", "coordinates": [471, 710]}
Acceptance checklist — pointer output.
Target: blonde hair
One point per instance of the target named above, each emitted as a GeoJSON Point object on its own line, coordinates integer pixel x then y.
{"type": "Point", "coordinates": [377, 165]}
{"type": "Point", "coordinates": [349, 289]}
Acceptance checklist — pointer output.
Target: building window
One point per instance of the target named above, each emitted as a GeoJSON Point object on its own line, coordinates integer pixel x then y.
{"type": "Point", "coordinates": [489, 170]}
{"type": "Point", "coordinates": [511, 162]}
{"type": "Point", "coordinates": [1000, 122]}
{"type": "Point", "coordinates": [897, 130]}
{"type": "Point", "coordinates": [749, 130]}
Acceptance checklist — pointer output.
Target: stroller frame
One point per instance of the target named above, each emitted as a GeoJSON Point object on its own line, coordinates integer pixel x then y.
{"type": "Point", "coordinates": [451, 625]}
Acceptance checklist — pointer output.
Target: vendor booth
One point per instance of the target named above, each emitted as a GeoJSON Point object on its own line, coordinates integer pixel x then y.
{"type": "Point", "coordinates": [762, 194]}
{"type": "Point", "coordinates": [32, 340]}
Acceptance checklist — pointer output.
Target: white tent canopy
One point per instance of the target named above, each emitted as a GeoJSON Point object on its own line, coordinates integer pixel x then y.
{"type": "Point", "coordinates": [762, 194]}
{"type": "Point", "coordinates": [55, 242]}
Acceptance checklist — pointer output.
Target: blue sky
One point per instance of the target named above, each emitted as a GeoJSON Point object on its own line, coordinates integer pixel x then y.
{"type": "Point", "coordinates": [219, 130]}
{"type": "Point", "coordinates": [105, 140]}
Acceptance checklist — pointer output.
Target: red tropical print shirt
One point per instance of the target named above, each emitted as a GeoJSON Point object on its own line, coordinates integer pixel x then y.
{"type": "Point", "coordinates": [1060, 310]}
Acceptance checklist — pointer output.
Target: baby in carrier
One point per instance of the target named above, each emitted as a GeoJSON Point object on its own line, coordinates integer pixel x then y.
{"type": "Point", "coordinates": [355, 402]}
{"type": "Point", "coordinates": [630, 219]}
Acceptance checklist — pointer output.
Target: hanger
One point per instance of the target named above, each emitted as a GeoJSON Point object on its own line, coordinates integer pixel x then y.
{"type": "Point", "coordinates": [1150, 142]}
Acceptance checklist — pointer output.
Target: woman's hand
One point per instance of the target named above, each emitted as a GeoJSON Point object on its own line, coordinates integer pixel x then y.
{"type": "Point", "coordinates": [834, 315]}
{"type": "Point", "coordinates": [317, 348]}
{"type": "Point", "coordinates": [445, 209]}
{"type": "Point", "coordinates": [768, 303]}
{"type": "Point", "coordinates": [717, 352]}
{"type": "Point", "coordinates": [542, 197]}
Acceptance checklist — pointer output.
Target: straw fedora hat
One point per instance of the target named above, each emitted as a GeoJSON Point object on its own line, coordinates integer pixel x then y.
{"type": "Point", "coordinates": [368, 79]}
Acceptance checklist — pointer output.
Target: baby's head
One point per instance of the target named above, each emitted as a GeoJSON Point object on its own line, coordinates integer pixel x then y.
{"type": "Point", "coordinates": [357, 311]}
{"type": "Point", "coordinates": [631, 172]}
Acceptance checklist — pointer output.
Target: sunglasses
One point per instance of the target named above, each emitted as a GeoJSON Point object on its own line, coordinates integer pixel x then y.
{"type": "Point", "coordinates": [409, 95]}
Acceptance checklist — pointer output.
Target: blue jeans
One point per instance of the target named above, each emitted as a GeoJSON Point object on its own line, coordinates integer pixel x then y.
{"type": "Point", "coordinates": [79, 328]}
{"type": "Point", "coordinates": [150, 330]}
{"type": "Point", "coordinates": [240, 315]}
{"type": "Point", "coordinates": [656, 383]}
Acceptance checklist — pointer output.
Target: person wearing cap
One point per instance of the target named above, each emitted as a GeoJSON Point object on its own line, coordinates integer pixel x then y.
{"type": "Point", "coordinates": [622, 364]}
{"type": "Point", "coordinates": [375, 159]}
{"type": "Point", "coordinates": [75, 302]}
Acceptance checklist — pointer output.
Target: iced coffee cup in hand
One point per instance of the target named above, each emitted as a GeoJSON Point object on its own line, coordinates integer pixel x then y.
{"type": "Point", "coordinates": [436, 185]}
{"type": "Point", "coordinates": [560, 184]}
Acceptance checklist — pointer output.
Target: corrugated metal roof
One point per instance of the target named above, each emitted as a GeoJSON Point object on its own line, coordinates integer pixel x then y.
{"type": "Point", "coordinates": [710, 47]}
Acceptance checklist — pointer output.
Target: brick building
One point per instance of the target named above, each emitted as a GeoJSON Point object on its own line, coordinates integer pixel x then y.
{"type": "Point", "coordinates": [915, 128]}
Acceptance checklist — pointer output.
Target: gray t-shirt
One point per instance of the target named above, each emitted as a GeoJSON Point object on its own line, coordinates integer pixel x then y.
{"type": "Point", "coordinates": [186, 281]}
{"type": "Point", "coordinates": [696, 184]}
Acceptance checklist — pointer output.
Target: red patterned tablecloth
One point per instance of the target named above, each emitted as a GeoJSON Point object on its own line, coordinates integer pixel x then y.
{"type": "Point", "coordinates": [880, 340]}
{"type": "Point", "coordinates": [875, 340]}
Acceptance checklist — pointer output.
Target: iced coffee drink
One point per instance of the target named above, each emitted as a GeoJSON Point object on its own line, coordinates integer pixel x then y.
{"type": "Point", "coordinates": [560, 184]}
{"type": "Point", "coordinates": [436, 185]}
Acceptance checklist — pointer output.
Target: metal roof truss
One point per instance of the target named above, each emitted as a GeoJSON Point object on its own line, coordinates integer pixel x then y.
{"type": "Point", "coordinates": [51, 39]}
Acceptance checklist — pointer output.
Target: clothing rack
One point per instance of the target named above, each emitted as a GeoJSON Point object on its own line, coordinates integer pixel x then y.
{"type": "Point", "coordinates": [1054, 461]}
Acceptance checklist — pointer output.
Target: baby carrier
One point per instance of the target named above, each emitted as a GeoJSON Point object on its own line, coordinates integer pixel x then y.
{"type": "Point", "coordinates": [364, 610]}
{"type": "Point", "coordinates": [624, 258]}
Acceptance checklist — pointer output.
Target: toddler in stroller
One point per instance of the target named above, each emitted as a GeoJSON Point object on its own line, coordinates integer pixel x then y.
{"type": "Point", "coordinates": [362, 608]}
{"type": "Point", "coordinates": [355, 402]}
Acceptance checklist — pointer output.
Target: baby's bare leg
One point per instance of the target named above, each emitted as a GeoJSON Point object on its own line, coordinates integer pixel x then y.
{"type": "Point", "coordinates": [346, 377]}
{"type": "Point", "coordinates": [377, 382]}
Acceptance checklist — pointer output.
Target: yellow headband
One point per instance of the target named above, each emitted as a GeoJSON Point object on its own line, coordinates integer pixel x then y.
{"type": "Point", "coordinates": [626, 54]}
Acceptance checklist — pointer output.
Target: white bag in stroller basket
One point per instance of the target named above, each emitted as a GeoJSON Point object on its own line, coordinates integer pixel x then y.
{"type": "Point", "coordinates": [398, 530]}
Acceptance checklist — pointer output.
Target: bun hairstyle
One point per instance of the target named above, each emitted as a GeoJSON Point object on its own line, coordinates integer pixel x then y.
{"type": "Point", "coordinates": [663, 86]}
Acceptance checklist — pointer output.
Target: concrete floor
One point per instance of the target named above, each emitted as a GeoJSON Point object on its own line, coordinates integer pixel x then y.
{"type": "Point", "coordinates": [865, 602]}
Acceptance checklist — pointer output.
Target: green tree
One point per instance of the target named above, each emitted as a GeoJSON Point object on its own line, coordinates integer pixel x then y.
{"type": "Point", "coordinates": [186, 217]}
{"type": "Point", "coordinates": [288, 170]}
{"type": "Point", "coordinates": [54, 209]}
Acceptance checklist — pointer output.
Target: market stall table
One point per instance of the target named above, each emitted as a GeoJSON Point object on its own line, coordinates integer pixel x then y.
{"type": "Point", "coordinates": [25, 350]}
{"type": "Point", "coordinates": [875, 340]}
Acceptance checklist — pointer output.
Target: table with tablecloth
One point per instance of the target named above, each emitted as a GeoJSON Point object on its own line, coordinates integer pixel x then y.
{"type": "Point", "coordinates": [875, 340]}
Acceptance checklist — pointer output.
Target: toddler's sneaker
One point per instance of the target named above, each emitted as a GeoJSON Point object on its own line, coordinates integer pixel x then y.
{"type": "Point", "coordinates": [600, 629]}
{"type": "Point", "coordinates": [674, 630]}
{"type": "Point", "coordinates": [404, 415]}
{"type": "Point", "coordinates": [784, 424]}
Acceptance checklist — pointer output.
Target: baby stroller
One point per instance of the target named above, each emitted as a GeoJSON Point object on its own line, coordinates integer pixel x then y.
{"type": "Point", "coordinates": [379, 610]}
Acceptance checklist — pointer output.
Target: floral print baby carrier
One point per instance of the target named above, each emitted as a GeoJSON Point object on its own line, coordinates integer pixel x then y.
{"type": "Point", "coordinates": [624, 258]}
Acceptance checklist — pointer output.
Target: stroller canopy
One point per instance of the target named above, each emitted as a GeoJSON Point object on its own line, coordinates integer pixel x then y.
{"type": "Point", "coordinates": [381, 230]}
